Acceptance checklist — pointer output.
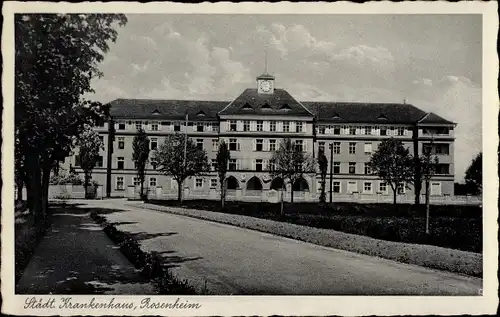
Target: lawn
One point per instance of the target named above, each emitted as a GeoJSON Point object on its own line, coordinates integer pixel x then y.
{"type": "Point", "coordinates": [454, 227]}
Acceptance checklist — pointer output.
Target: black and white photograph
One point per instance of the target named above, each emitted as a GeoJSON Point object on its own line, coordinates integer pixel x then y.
{"type": "Point", "coordinates": [167, 160]}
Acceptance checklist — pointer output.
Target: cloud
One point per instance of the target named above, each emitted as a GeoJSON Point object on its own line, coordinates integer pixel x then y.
{"type": "Point", "coordinates": [363, 55]}
{"type": "Point", "coordinates": [423, 81]}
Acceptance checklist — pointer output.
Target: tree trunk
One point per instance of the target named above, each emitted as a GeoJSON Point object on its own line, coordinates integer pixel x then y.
{"type": "Point", "coordinates": [427, 207]}
{"type": "Point", "coordinates": [282, 211]}
{"type": "Point", "coordinates": [86, 184]}
{"type": "Point", "coordinates": [179, 191]}
{"type": "Point", "coordinates": [291, 194]}
{"type": "Point", "coordinates": [394, 191]}
{"type": "Point", "coordinates": [30, 199]}
{"type": "Point", "coordinates": [142, 188]}
{"type": "Point", "coordinates": [222, 193]}
{"type": "Point", "coordinates": [35, 180]}
{"type": "Point", "coordinates": [20, 187]}
{"type": "Point", "coordinates": [45, 190]}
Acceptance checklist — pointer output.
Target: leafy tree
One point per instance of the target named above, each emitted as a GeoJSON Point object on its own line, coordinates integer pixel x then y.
{"type": "Point", "coordinates": [392, 163]}
{"type": "Point", "coordinates": [290, 164]}
{"type": "Point", "coordinates": [223, 157]}
{"type": "Point", "coordinates": [427, 164]}
{"type": "Point", "coordinates": [171, 159]}
{"type": "Point", "coordinates": [56, 57]}
{"type": "Point", "coordinates": [474, 175]}
{"type": "Point", "coordinates": [140, 157]}
{"type": "Point", "coordinates": [323, 168]}
{"type": "Point", "coordinates": [89, 147]}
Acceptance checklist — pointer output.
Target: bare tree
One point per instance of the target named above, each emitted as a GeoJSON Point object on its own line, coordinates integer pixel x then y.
{"type": "Point", "coordinates": [223, 157]}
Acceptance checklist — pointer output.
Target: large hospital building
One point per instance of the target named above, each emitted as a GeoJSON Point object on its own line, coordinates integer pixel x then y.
{"type": "Point", "coordinates": [253, 124]}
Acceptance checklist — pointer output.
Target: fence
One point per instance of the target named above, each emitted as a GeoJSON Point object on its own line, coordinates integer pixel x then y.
{"type": "Point", "coordinates": [74, 192]}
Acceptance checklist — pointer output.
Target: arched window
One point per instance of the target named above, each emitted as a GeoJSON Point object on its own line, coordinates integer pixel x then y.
{"type": "Point", "coordinates": [232, 183]}
{"type": "Point", "coordinates": [277, 183]}
{"type": "Point", "coordinates": [300, 185]}
{"type": "Point", "coordinates": [254, 183]}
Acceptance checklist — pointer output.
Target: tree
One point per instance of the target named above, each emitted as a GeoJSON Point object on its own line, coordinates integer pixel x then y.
{"type": "Point", "coordinates": [89, 147]}
{"type": "Point", "coordinates": [56, 57]}
{"type": "Point", "coordinates": [140, 157]}
{"type": "Point", "coordinates": [223, 157]}
{"type": "Point", "coordinates": [323, 169]}
{"type": "Point", "coordinates": [392, 163]}
{"type": "Point", "coordinates": [289, 163]}
{"type": "Point", "coordinates": [474, 175]}
{"type": "Point", "coordinates": [427, 164]}
{"type": "Point", "coordinates": [173, 162]}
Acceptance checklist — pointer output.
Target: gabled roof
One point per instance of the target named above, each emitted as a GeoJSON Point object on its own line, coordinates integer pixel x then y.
{"type": "Point", "coordinates": [276, 102]}
{"type": "Point", "coordinates": [431, 117]}
{"type": "Point", "coordinates": [356, 112]}
{"type": "Point", "coordinates": [166, 109]}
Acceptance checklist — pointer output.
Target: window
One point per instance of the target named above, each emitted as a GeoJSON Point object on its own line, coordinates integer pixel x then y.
{"type": "Point", "coordinates": [298, 127]}
{"type": "Point", "coordinates": [100, 124]}
{"type": "Point", "coordinates": [137, 181]}
{"type": "Point", "coordinates": [154, 126]}
{"type": "Point", "coordinates": [436, 189]}
{"type": "Point", "coordinates": [272, 166]}
{"type": "Point", "coordinates": [121, 143]}
{"type": "Point", "coordinates": [272, 145]}
{"type": "Point", "coordinates": [121, 163]}
{"type": "Point", "coordinates": [154, 143]}
{"type": "Point", "coordinates": [232, 125]}
{"type": "Point", "coordinates": [382, 187]}
{"type": "Point", "coordinates": [138, 125]}
{"type": "Point", "coordinates": [215, 127]}
{"type": "Point", "coordinates": [352, 130]}
{"type": "Point", "coordinates": [232, 165]}
{"type": "Point", "coordinates": [442, 149]}
{"type": "Point", "coordinates": [272, 126]}
{"type": "Point", "coordinates": [336, 130]}
{"type": "Point", "coordinates": [246, 125]}
{"type": "Point", "coordinates": [352, 187]}
{"type": "Point", "coordinates": [152, 182]}
{"type": "Point", "coordinates": [77, 160]}
{"type": "Point", "coordinates": [336, 147]}
{"type": "Point", "coordinates": [99, 161]}
{"type": "Point", "coordinates": [369, 130]}
{"type": "Point", "coordinates": [336, 187]}
{"type": "Point", "coordinates": [383, 131]}
{"type": "Point", "coordinates": [259, 125]}
{"type": "Point", "coordinates": [368, 148]}
{"type": "Point", "coordinates": [154, 164]}
{"type": "Point", "coordinates": [336, 167]}
{"type": "Point", "coordinates": [286, 126]}
{"type": "Point", "coordinates": [400, 131]}
{"type": "Point", "coordinates": [368, 170]}
{"type": "Point", "coordinates": [215, 145]}
{"type": "Point", "coordinates": [177, 127]}
{"type": "Point", "coordinates": [165, 123]}
{"type": "Point", "coordinates": [101, 138]}
{"type": "Point", "coordinates": [400, 189]}
{"type": "Point", "coordinates": [299, 145]}
{"type": "Point", "coordinates": [352, 147]}
{"type": "Point", "coordinates": [321, 146]}
{"type": "Point", "coordinates": [213, 183]}
{"type": "Point", "coordinates": [259, 145]}
{"type": "Point", "coordinates": [213, 165]}
{"type": "Point", "coordinates": [121, 126]}
{"type": "Point", "coordinates": [321, 129]}
{"type": "Point", "coordinates": [199, 127]}
{"type": "Point", "coordinates": [258, 165]}
{"type": "Point", "coordinates": [119, 183]}
{"type": "Point", "coordinates": [198, 183]}
{"type": "Point", "coordinates": [367, 187]}
{"type": "Point", "coordinates": [233, 145]}
{"type": "Point", "coordinates": [352, 168]}
{"type": "Point", "coordinates": [199, 144]}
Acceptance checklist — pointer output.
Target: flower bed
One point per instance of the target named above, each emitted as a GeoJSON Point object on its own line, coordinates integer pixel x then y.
{"type": "Point", "coordinates": [150, 263]}
{"type": "Point", "coordinates": [457, 261]}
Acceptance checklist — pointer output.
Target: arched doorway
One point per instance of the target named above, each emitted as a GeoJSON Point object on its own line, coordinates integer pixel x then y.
{"type": "Point", "coordinates": [254, 183]}
{"type": "Point", "coordinates": [300, 185]}
{"type": "Point", "coordinates": [232, 183]}
{"type": "Point", "coordinates": [277, 183]}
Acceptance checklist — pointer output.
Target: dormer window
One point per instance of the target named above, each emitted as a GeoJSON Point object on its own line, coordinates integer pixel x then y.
{"type": "Point", "coordinates": [285, 107]}
{"type": "Point", "coordinates": [266, 106]}
{"type": "Point", "coordinates": [247, 106]}
{"type": "Point", "coordinates": [336, 116]}
{"type": "Point", "coordinates": [382, 117]}
{"type": "Point", "coordinates": [156, 112]}
{"type": "Point", "coordinates": [200, 113]}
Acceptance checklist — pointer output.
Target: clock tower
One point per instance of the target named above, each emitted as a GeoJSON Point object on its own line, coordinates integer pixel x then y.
{"type": "Point", "coordinates": [265, 84]}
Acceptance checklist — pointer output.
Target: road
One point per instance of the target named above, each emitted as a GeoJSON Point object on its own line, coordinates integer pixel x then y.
{"type": "Point", "coordinates": [229, 260]}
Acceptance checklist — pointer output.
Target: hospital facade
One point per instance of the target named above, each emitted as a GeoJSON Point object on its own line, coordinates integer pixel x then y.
{"type": "Point", "coordinates": [253, 125]}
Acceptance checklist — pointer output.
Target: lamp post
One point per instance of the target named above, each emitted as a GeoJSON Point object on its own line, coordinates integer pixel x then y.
{"type": "Point", "coordinates": [185, 153]}
{"type": "Point", "coordinates": [331, 172]}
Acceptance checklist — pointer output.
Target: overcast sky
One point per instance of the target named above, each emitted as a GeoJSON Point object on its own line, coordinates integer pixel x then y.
{"type": "Point", "coordinates": [432, 61]}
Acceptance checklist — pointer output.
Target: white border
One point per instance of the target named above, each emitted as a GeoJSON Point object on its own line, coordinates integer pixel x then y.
{"type": "Point", "coordinates": [277, 305]}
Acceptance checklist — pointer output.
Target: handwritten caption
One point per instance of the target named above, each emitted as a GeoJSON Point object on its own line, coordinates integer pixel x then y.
{"type": "Point", "coordinates": [111, 303]}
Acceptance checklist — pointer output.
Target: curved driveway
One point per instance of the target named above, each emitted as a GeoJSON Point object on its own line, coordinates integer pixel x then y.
{"type": "Point", "coordinates": [230, 260]}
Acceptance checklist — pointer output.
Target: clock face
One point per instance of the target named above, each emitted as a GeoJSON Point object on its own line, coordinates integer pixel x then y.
{"type": "Point", "coordinates": [265, 86]}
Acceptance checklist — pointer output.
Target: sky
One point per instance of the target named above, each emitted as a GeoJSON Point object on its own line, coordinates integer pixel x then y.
{"type": "Point", "coordinates": [431, 61]}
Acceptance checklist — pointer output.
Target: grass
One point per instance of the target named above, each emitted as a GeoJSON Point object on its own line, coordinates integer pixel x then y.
{"type": "Point", "coordinates": [454, 227]}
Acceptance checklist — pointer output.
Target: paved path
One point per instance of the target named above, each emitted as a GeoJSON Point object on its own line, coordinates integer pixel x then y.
{"type": "Point", "coordinates": [76, 257]}
{"type": "Point", "coordinates": [233, 260]}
